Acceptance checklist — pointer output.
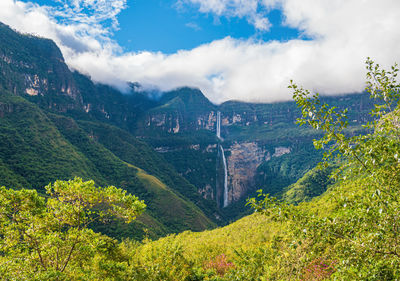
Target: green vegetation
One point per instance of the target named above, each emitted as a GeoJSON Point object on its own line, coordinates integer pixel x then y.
{"type": "Point", "coordinates": [358, 230]}
{"type": "Point", "coordinates": [329, 223]}
{"type": "Point", "coordinates": [131, 150]}
{"type": "Point", "coordinates": [48, 238]}
{"type": "Point", "coordinates": [280, 172]}
{"type": "Point", "coordinates": [350, 232]}
{"type": "Point", "coordinates": [116, 122]}
{"type": "Point", "coordinates": [314, 183]}
{"type": "Point", "coordinates": [37, 148]}
{"type": "Point", "coordinates": [118, 172]}
{"type": "Point", "coordinates": [32, 150]}
{"type": "Point", "coordinates": [41, 139]}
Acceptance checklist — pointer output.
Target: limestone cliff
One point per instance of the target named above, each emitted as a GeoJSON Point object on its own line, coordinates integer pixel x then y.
{"type": "Point", "coordinates": [242, 165]}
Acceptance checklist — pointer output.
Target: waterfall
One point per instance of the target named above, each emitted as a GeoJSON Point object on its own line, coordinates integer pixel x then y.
{"type": "Point", "coordinates": [225, 178]}
{"type": "Point", "coordinates": [219, 125]}
{"type": "Point", "coordinates": [223, 160]}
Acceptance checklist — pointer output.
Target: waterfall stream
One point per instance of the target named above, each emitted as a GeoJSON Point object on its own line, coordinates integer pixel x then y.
{"type": "Point", "coordinates": [225, 178]}
{"type": "Point", "coordinates": [219, 125]}
{"type": "Point", "coordinates": [223, 160]}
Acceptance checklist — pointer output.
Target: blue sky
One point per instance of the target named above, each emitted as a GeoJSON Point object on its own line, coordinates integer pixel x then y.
{"type": "Point", "coordinates": [160, 26]}
{"type": "Point", "coordinates": [166, 26]}
{"type": "Point", "coordinates": [230, 49]}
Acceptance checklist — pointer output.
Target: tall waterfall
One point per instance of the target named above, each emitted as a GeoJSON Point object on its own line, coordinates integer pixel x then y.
{"type": "Point", "coordinates": [225, 178]}
{"type": "Point", "coordinates": [223, 160]}
{"type": "Point", "coordinates": [219, 125]}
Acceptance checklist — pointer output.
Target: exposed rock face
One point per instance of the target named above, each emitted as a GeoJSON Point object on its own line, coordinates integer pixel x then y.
{"type": "Point", "coordinates": [207, 192]}
{"type": "Point", "coordinates": [158, 120]}
{"type": "Point", "coordinates": [211, 147]}
{"type": "Point", "coordinates": [175, 122]}
{"type": "Point", "coordinates": [165, 149]}
{"type": "Point", "coordinates": [207, 121]}
{"type": "Point", "coordinates": [32, 66]}
{"type": "Point", "coordinates": [176, 128]}
{"type": "Point", "coordinates": [32, 92]}
{"type": "Point", "coordinates": [195, 147]}
{"type": "Point", "coordinates": [242, 163]}
{"type": "Point", "coordinates": [280, 150]}
{"type": "Point", "coordinates": [242, 158]}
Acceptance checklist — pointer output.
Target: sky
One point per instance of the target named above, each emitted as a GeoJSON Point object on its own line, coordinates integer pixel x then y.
{"type": "Point", "coordinates": [245, 50]}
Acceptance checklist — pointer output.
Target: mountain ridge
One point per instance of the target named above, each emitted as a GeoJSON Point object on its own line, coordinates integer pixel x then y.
{"type": "Point", "coordinates": [42, 140]}
{"type": "Point", "coordinates": [263, 146]}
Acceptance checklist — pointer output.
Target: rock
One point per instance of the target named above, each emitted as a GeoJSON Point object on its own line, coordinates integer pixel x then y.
{"type": "Point", "coordinates": [242, 164]}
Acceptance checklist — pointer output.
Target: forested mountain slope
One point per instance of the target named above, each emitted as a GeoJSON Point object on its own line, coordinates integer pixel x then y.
{"type": "Point", "coordinates": [172, 138]}
{"type": "Point", "coordinates": [41, 140]}
{"type": "Point", "coordinates": [350, 232]}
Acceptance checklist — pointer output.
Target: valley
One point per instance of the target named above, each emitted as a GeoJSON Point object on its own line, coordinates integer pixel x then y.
{"type": "Point", "coordinates": [226, 191]}
{"type": "Point", "coordinates": [199, 140]}
{"type": "Point", "coordinates": [213, 156]}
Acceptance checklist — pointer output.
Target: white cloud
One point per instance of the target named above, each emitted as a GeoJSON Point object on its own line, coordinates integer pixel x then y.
{"type": "Point", "coordinates": [343, 32]}
{"type": "Point", "coordinates": [74, 32]}
{"type": "Point", "coordinates": [88, 11]}
{"type": "Point", "coordinates": [249, 9]}
{"type": "Point", "coordinates": [193, 26]}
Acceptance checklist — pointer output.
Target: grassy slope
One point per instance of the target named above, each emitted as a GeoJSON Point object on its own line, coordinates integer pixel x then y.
{"type": "Point", "coordinates": [242, 242]}
{"type": "Point", "coordinates": [118, 173]}
{"type": "Point", "coordinates": [32, 150]}
{"type": "Point", "coordinates": [131, 150]}
{"type": "Point", "coordinates": [314, 183]}
{"type": "Point", "coordinates": [38, 148]}
{"type": "Point", "coordinates": [173, 213]}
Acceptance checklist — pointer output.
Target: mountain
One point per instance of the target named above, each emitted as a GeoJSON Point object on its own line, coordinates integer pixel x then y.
{"type": "Point", "coordinates": [53, 123]}
{"type": "Point", "coordinates": [325, 228]}
{"type": "Point", "coordinates": [264, 147]}
{"type": "Point", "coordinates": [57, 124]}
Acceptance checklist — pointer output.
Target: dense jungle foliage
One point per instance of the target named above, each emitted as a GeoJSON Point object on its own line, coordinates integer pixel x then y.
{"type": "Point", "coordinates": [350, 232]}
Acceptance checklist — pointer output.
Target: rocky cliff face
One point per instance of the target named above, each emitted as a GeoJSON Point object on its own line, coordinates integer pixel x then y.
{"type": "Point", "coordinates": [242, 163]}
{"type": "Point", "coordinates": [33, 66]}
{"type": "Point", "coordinates": [174, 122]}
{"type": "Point", "coordinates": [242, 157]}
{"type": "Point", "coordinates": [177, 121]}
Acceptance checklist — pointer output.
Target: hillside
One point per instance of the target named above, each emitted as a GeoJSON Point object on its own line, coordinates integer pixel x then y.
{"type": "Point", "coordinates": [348, 233]}
{"type": "Point", "coordinates": [173, 137]}
{"type": "Point", "coordinates": [194, 165]}
{"type": "Point", "coordinates": [41, 139]}
{"type": "Point", "coordinates": [264, 147]}
{"type": "Point", "coordinates": [37, 148]}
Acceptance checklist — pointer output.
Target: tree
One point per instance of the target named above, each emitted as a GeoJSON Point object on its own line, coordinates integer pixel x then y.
{"type": "Point", "coordinates": [48, 238]}
{"type": "Point", "coordinates": [363, 227]}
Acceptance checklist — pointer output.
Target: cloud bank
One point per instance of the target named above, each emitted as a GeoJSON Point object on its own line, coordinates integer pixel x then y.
{"type": "Point", "coordinates": [342, 34]}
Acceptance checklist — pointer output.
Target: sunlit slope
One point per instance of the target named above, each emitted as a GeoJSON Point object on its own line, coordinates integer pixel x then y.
{"type": "Point", "coordinates": [32, 150]}
{"type": "Point", "coordinates": [251, 242]}
{"type": "Point", "coordinates": [153, 192]}
{"type": "Point", "coordinates": [37, 148]}
{"type": "Point", "coordinates": [176, 210]}
{"type": "Point", "coordinates": [314, 183]}
{"type": "Point", "coordinates": [132, 150]}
